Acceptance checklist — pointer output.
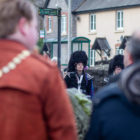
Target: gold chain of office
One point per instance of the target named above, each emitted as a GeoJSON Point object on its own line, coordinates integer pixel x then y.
{"type": "Point", "coordinates": [15, 61]}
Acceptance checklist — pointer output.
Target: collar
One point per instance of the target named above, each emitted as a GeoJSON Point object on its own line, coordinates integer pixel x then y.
{"type": "Point", "coordinates": [9, 45]}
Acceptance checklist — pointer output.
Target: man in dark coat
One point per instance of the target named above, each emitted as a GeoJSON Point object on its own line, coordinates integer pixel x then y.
{"type": "Point", "coordinates": [76, 76]}
{"type": "Point", "coordinates": [116, 114]}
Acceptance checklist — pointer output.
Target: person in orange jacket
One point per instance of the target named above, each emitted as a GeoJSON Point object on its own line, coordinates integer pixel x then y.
{"type": "Point", "coordinates": [33, 100]}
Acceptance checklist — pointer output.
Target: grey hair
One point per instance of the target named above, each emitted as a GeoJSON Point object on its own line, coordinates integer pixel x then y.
{"type": "Point", "coordinates": [133, 47]}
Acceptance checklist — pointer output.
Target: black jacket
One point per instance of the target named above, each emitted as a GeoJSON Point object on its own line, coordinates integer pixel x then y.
{"type": "Point", "coordinates": [86, 84]}
{"type": "Point", "coordinates": [114, 78]}
{"type": "Point", "coordinates": [114, 117]}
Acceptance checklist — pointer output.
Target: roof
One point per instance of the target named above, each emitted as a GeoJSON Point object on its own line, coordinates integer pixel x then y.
{"type": "Point", "coordinates": [102, 44]}
{"type": "Point", "coordinates": [125, 39]}
{"type": "Point", "coordinates": [98, 5]}
{"type": "Point", "coordinates": [46, 3]}
{"type": "Point", "coordinates": [75, 4]}
{"type": "Point", "coordinates": [55, 40]}
{"type": "Point", "coordinates": [65, 40]}
{"type": "Point", "coordinates": [38, 3]}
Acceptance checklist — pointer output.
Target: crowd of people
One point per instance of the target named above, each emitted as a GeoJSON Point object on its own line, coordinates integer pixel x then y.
{"type": "Point", "coordinates": [34, 104]}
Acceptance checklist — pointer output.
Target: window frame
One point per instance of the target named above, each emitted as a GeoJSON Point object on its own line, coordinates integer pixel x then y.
{"type": "Point", "coordinates": [119, 51]}
{"type": "Point", "coordinates": [49, 24]}
{"type": "Point", "coordinates": [119, 20]}
{"type": "Point", "coordinates": [92, 23]}
{"type": "Point", "coordinates": [92, 57]}
{"type": "Point", "coordinates": [63, 24]}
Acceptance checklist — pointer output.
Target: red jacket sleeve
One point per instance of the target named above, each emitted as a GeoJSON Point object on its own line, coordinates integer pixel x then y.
{"type": "Point", "coordinates": [59, 117]}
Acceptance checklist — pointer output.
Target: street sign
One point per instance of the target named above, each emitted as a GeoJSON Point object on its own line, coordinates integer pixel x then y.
{"type": "Point", "coordinates": [48, 11]}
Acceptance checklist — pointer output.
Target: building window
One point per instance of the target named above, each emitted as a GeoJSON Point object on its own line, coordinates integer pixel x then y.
{"type": "Point", "coordinates": [63, 25]}
{"type": "Point", "coordinates": [119, 21]}
{"type": "Point", "coordinates": [92, 22]}
{"type": "Point", "coordinates": [119, 51]}
{"type": "Point", "coordinates": [92, 57]}
{"type": "Point", "coordinates": [49, 24]}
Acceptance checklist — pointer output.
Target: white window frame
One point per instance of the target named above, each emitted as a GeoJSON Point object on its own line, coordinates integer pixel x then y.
{"type": "Point", "coordinates": [119, 20]}
{"type": "Point", "coordinates": [92, 23]}
{"type": "Point", "coordinates": [92, 61]}
{"type": "Point", "coordinates": [63, 24]}
{"type": "Point", "coordinates": [49, 24]}
{"type": "Point", "coordinates": [119, 51]}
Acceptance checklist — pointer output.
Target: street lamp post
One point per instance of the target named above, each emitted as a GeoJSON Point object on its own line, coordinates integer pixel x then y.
{"type": "Point", "coordinates": [54, 12]}
{"type": "Point", "coordinates": [45, 30]}
{"type": "Point", "coordinates": [69, 28]}
{"type": "Point", "coordinates": [59, 38]}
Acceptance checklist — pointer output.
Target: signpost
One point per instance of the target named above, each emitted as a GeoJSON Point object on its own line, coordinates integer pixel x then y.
{"type": "Point", "coordinates": [48, 11]}
{"type": "Point", "coordinates": [54, 12]}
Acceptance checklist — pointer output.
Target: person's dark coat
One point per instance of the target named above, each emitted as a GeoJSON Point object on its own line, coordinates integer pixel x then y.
{"type": "Point", "coordinates": [113, 78]}
{"type": "Point", "coordinates": [86, 84]}
{"type": "Point", "coordinates": [114, 117]}
{"type": "Point", "coordinates": [116, 78]}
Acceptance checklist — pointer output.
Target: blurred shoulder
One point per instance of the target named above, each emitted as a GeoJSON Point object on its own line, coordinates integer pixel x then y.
{"type": "Point", "coordinates": [42, 64]}
{"type": "Point", "coordinates": [114, 78]}
{"type": "Point", "coordinates": [106, 93]}
{"type": "Point", "coordinates": [43, 60]}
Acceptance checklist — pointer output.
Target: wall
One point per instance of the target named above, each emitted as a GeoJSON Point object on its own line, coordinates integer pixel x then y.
{"type": "Point", "coordinates": [99, 74]}
{"type": "Point", "coordinates": [106, 26]}
{"type": "Point", "coordinates": [64, 7]}
{"type": "Point", "coordinates": [38, 4]}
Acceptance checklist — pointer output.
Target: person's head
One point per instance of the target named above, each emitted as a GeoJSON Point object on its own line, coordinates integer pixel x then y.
{"type": "Point", "coordinates": [116, 65]}
{"type": "Point", "coordinates": [79, 67]}
{"type": "Point", "coordinates": [44, 50]}
{"type": "Point", "coordinates": [130, 82]}
{"type": "Point", "coordinates": [132, 50]}
{"type": "Point", "coordinates": [78, 61]}
{"type": "Point", "coordinates": [18, 21]}
{"type": "Point", "coordinates": [117, 70]}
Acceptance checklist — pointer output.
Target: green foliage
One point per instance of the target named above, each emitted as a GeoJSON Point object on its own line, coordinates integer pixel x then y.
{"type": "Point", "coordinates": [84, 102]}
{"type": "Point", "coordinates": [40, 44]}
{"type": "Point", "coordinates": [82, 110]}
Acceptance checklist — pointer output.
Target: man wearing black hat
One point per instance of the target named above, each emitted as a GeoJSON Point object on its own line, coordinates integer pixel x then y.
{"type": "Point", "coordinates": [76, 76]}
{"type": "Point", "coordinates": [115, 67]}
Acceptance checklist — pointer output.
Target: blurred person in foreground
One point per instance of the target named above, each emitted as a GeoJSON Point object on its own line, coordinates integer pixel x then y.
{"type": "Point", "coordinates": [116, 114]}
{"type": "Point", "coordinates": [30, 107]}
